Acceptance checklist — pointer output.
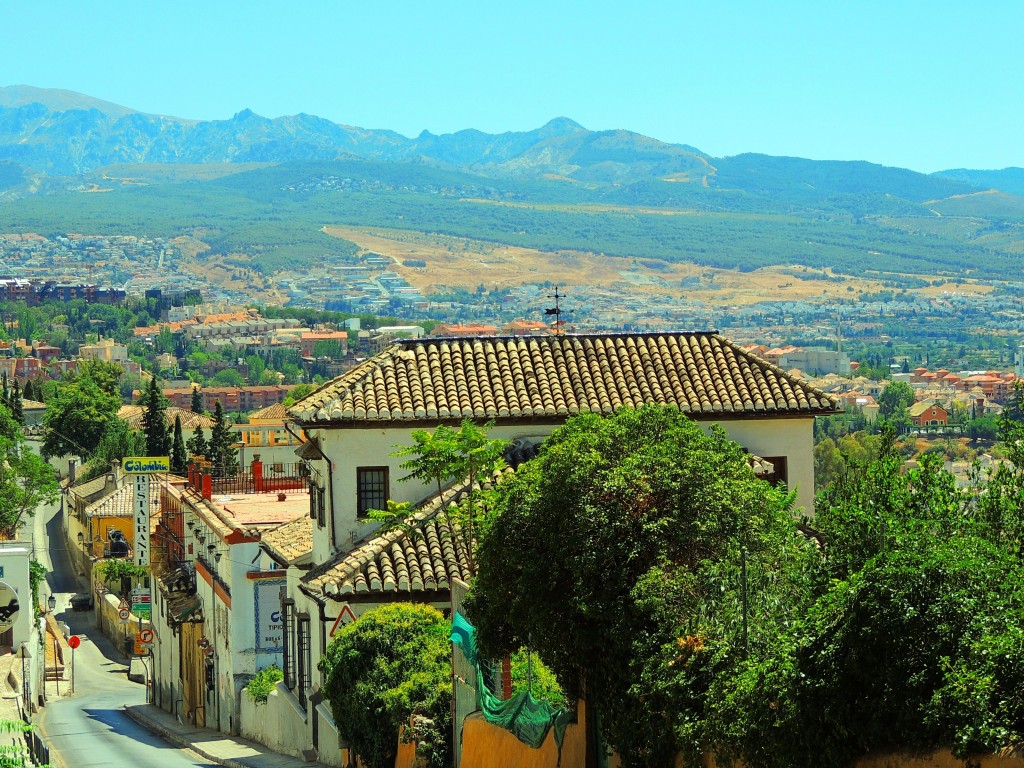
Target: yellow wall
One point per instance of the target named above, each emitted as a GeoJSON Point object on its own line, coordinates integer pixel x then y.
{"type": "Point", "coordinates": [488, 746]}
{"type": "Point", "coordinates": [101, 528]}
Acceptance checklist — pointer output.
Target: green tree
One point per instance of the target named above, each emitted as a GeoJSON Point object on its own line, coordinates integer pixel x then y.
{"type": "Point", "coordinates": [179, 458]}
{"type": "Point", "coordinates": [76, 417]}
{"type": "Point", "coordinates": [391, 665]}
{"type": "Point", "coordinates": [894, 401]}
{"type": "Point", "coordinates": [619, 556]}
{"type": "Point", "coordinates": [154, 420]}
{"type": "Point", "coordinates": [198, 445]}
{"type": "Point", "coordinates": [117, 441]}
{"type": "Point", "coordinates": [299, 392]}
{"type": "Point", "coordinates": [26, 480]}
{"type": "Point", "coordinates": [106, 374]}
{"type": "Point", "coordinates": [197, 401]}
{"type": "Point", "coordinates": [15, 403]}
{"type": "Point", "coordinates": [229, 377]}
{"type": "Point", "coordinates": [223, 453]}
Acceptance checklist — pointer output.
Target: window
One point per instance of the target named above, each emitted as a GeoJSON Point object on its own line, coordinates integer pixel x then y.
{"type": "Point", "coordinates": [781, 474]}
{"type": "Point", "coordinates": [304, 658]}
{"type": "Point", "coordinates": [317, 504]}
{"type": "Point", "coordinates": [288, 616]}
{"type": "Point", "coordinates": [371, 489]}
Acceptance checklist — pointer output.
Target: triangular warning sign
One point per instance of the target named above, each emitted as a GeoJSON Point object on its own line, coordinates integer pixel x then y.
{"type": "Point", "coordinates": [345, 616]}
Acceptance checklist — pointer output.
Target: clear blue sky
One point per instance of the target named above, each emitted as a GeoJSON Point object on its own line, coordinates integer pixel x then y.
{"type": "Point", "coordinates": [921, 85]}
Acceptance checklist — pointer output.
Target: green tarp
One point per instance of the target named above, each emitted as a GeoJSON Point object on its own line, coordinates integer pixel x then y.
{"type": "Point", "coordinates": [529, 719]}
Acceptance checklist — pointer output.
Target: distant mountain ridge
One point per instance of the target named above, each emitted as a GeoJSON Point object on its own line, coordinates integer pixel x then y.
{"type": "Point", "coordinates": [62, 133]}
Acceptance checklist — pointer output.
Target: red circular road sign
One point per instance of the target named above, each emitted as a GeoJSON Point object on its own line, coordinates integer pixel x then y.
{"type": "Point", "coordinates": [74, 641]}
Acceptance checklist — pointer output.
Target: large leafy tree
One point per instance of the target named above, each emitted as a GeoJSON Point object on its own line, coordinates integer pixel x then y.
{"type": "Point", "coordinates": [894, 401]}
{"type": "Point", "coordinates": [118, 440]}
{"type": "Point", "coordinates": [392, 664]}
{"type": "Point", "coordinates": [26, 480]}
{"type": "Point", "coordinates": [620, 555]}
{"type": "Point", "coordinates": [76, 417]}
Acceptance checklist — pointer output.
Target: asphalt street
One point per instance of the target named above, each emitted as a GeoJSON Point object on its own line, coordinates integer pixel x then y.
{"type": "Point", "coordinates": [89, 728]}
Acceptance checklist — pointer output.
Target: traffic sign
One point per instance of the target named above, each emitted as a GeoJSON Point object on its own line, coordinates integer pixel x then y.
{"type": "Point", "coordinates": [123, 614]}
{"type": "Point", "coordinates": [123, 605]}
{"type": "Point", "coordinates": [145, 637]}
{"type": "Point", "coordinates": [74, 641]}
{"type": "Point", "coordinates": [345, 616]}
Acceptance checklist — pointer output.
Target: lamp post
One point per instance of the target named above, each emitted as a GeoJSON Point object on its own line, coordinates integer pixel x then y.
{"type": "Point", "coordinates": [51, 602]}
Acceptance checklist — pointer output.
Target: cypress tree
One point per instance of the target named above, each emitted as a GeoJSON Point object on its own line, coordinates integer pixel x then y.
{"type": "Point", "coordinates": [15, 404]}
{"type": "Point", "coordinates": [29, 393]}
{"type": "Point", "coordinates": [154, 421]}
{"type": "Point", "coordinates": [197, 444]}
{"type": "Point", "coordinates": [222, 453]}
{"type": "Point", "coordinates": [197, 401]}
{"type": "Point", "coordinates": [179, 459]}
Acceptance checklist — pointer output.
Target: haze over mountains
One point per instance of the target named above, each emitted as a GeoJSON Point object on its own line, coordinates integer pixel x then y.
{"type": "Point", "coordinates": [62, 133]}
{"type": "Point", "coordinates": [257, 191]}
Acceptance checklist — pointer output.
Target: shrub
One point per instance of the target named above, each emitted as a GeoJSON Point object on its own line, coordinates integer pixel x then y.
{"type": "Point", "coordinates": [263, 683]}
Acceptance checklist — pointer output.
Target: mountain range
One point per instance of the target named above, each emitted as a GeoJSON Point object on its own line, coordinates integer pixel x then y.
{"type": "Point", "coordinates": [62, 133]}
{"type": "Point", "coordinates": [265, 188]}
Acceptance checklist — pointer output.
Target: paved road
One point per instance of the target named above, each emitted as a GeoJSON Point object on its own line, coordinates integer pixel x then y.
{"type": "Point", "coordinates": [89, 728]}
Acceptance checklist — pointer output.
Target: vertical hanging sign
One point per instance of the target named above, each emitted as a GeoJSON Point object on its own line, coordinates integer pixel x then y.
{"type": "Point", "coordinates": [141, 506]}
{"type": "Point", "coordinates": [142, 467]}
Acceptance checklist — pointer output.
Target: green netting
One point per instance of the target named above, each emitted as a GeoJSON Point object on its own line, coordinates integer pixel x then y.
{"type": "Point", "coordinates": [529, 719]}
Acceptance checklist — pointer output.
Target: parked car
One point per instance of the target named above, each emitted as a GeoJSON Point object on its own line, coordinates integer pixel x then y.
{"type": "Point", "coordinates": [81, 602]}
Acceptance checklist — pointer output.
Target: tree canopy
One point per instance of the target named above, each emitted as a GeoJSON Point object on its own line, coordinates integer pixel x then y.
{"type": "Point", "coordinates": [391, 664]}
{"type": "Point", "coordinates": [26, 480]}
{"type": "Point", "coordinates": [76, 417]}
{"type": "Point", "coordinates": [617, 555]}
{"type": "Point", "coordinates": [641, 559]}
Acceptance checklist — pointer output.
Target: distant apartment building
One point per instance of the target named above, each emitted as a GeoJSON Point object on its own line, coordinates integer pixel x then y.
{"type": "Point", "coordinates": [443, 330]}
{"type": "Point", "coordinates": [232, 399]}
{"type": "Point", "coordinates": [21, 368]}
{"type": "Point", "coordinates": [309, 340]}
{"type": "Point", "coordinates": [104, 349]}
{"type": "Point", "coordinates": [814, 361]}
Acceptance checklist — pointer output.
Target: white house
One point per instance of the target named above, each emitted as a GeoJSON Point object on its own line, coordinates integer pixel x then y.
{"type": "Point", "coordinates": [528, 386]}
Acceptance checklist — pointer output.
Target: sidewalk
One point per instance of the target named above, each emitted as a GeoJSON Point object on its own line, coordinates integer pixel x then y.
{"type": "Point", "coordinates": [232, 751]}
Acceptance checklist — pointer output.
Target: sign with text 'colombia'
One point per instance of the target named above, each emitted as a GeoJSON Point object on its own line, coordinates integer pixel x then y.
{"type": "Point", "coordinates": [146, 465]}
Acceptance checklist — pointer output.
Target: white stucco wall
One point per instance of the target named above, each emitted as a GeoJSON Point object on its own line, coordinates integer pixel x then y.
{"type": "Point", "coordinates": [351, 448]}
{"type": "Point", "coordinates": [14, 557]}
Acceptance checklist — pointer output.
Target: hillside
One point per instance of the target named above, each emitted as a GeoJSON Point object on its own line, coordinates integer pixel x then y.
{"type": "Point", "coordinates": [265, 188]}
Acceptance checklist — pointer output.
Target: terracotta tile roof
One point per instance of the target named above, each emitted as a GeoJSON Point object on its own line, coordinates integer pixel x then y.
{"type": "Point", "coordinates": [275, 411]}
{"type": "Point", "coordinates": [189, 420]}
{"type": "Point", "coordinates": [395, 566]}
{"type": "Point", "coordinates": [88, 487]}
{"type": "Point", "coordinates": [290, 542]}
{"type": "Point", "coordinates": [119, 503]}
{"type": "Point", "coordinates": [703, 374]}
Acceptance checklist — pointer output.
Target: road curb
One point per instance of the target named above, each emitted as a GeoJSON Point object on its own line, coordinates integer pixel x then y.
{"type": "Point", "coordinates": [177, 740]}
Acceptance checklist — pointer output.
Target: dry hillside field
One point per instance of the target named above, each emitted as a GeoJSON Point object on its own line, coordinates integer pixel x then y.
{"type": "Point", "coordinates": [458, 261]}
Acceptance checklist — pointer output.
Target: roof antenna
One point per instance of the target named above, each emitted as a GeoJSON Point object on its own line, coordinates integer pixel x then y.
{"type": "Point", "coordinates": [556, 310]}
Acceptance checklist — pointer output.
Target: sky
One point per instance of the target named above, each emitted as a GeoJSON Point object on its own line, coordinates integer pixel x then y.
{"type": "Point", "coordinates": [926, 86]}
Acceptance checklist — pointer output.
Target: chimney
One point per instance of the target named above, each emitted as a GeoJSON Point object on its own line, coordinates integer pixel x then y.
{"type": "Point", "coordinates": [71, 471]}
{"type": "Point", "coordinates": [115, 469]}
{"type": "Point", "coordinates": [207, 487]}
{"type": "Point", "coordinates": [257, 473]}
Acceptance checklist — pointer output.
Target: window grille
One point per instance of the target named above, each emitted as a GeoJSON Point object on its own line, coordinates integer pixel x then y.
{"type": "Point", "coordinates": [288, 617]}
{"type": "Point", "coordinates": [304, 659]}
{"type": "Point", "coordinates": [371, 489]}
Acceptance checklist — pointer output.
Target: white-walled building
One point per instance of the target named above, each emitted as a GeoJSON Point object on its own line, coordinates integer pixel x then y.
{"type": "Point", "coordinates": [528, 386]}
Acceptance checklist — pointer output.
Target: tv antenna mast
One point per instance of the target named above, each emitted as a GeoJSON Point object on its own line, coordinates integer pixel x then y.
{"type": "Point", "coordinates": [556, 310]}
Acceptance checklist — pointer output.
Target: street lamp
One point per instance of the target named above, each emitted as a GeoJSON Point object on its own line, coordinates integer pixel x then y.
{"type": "Point", "coordinates": [51, 602]}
